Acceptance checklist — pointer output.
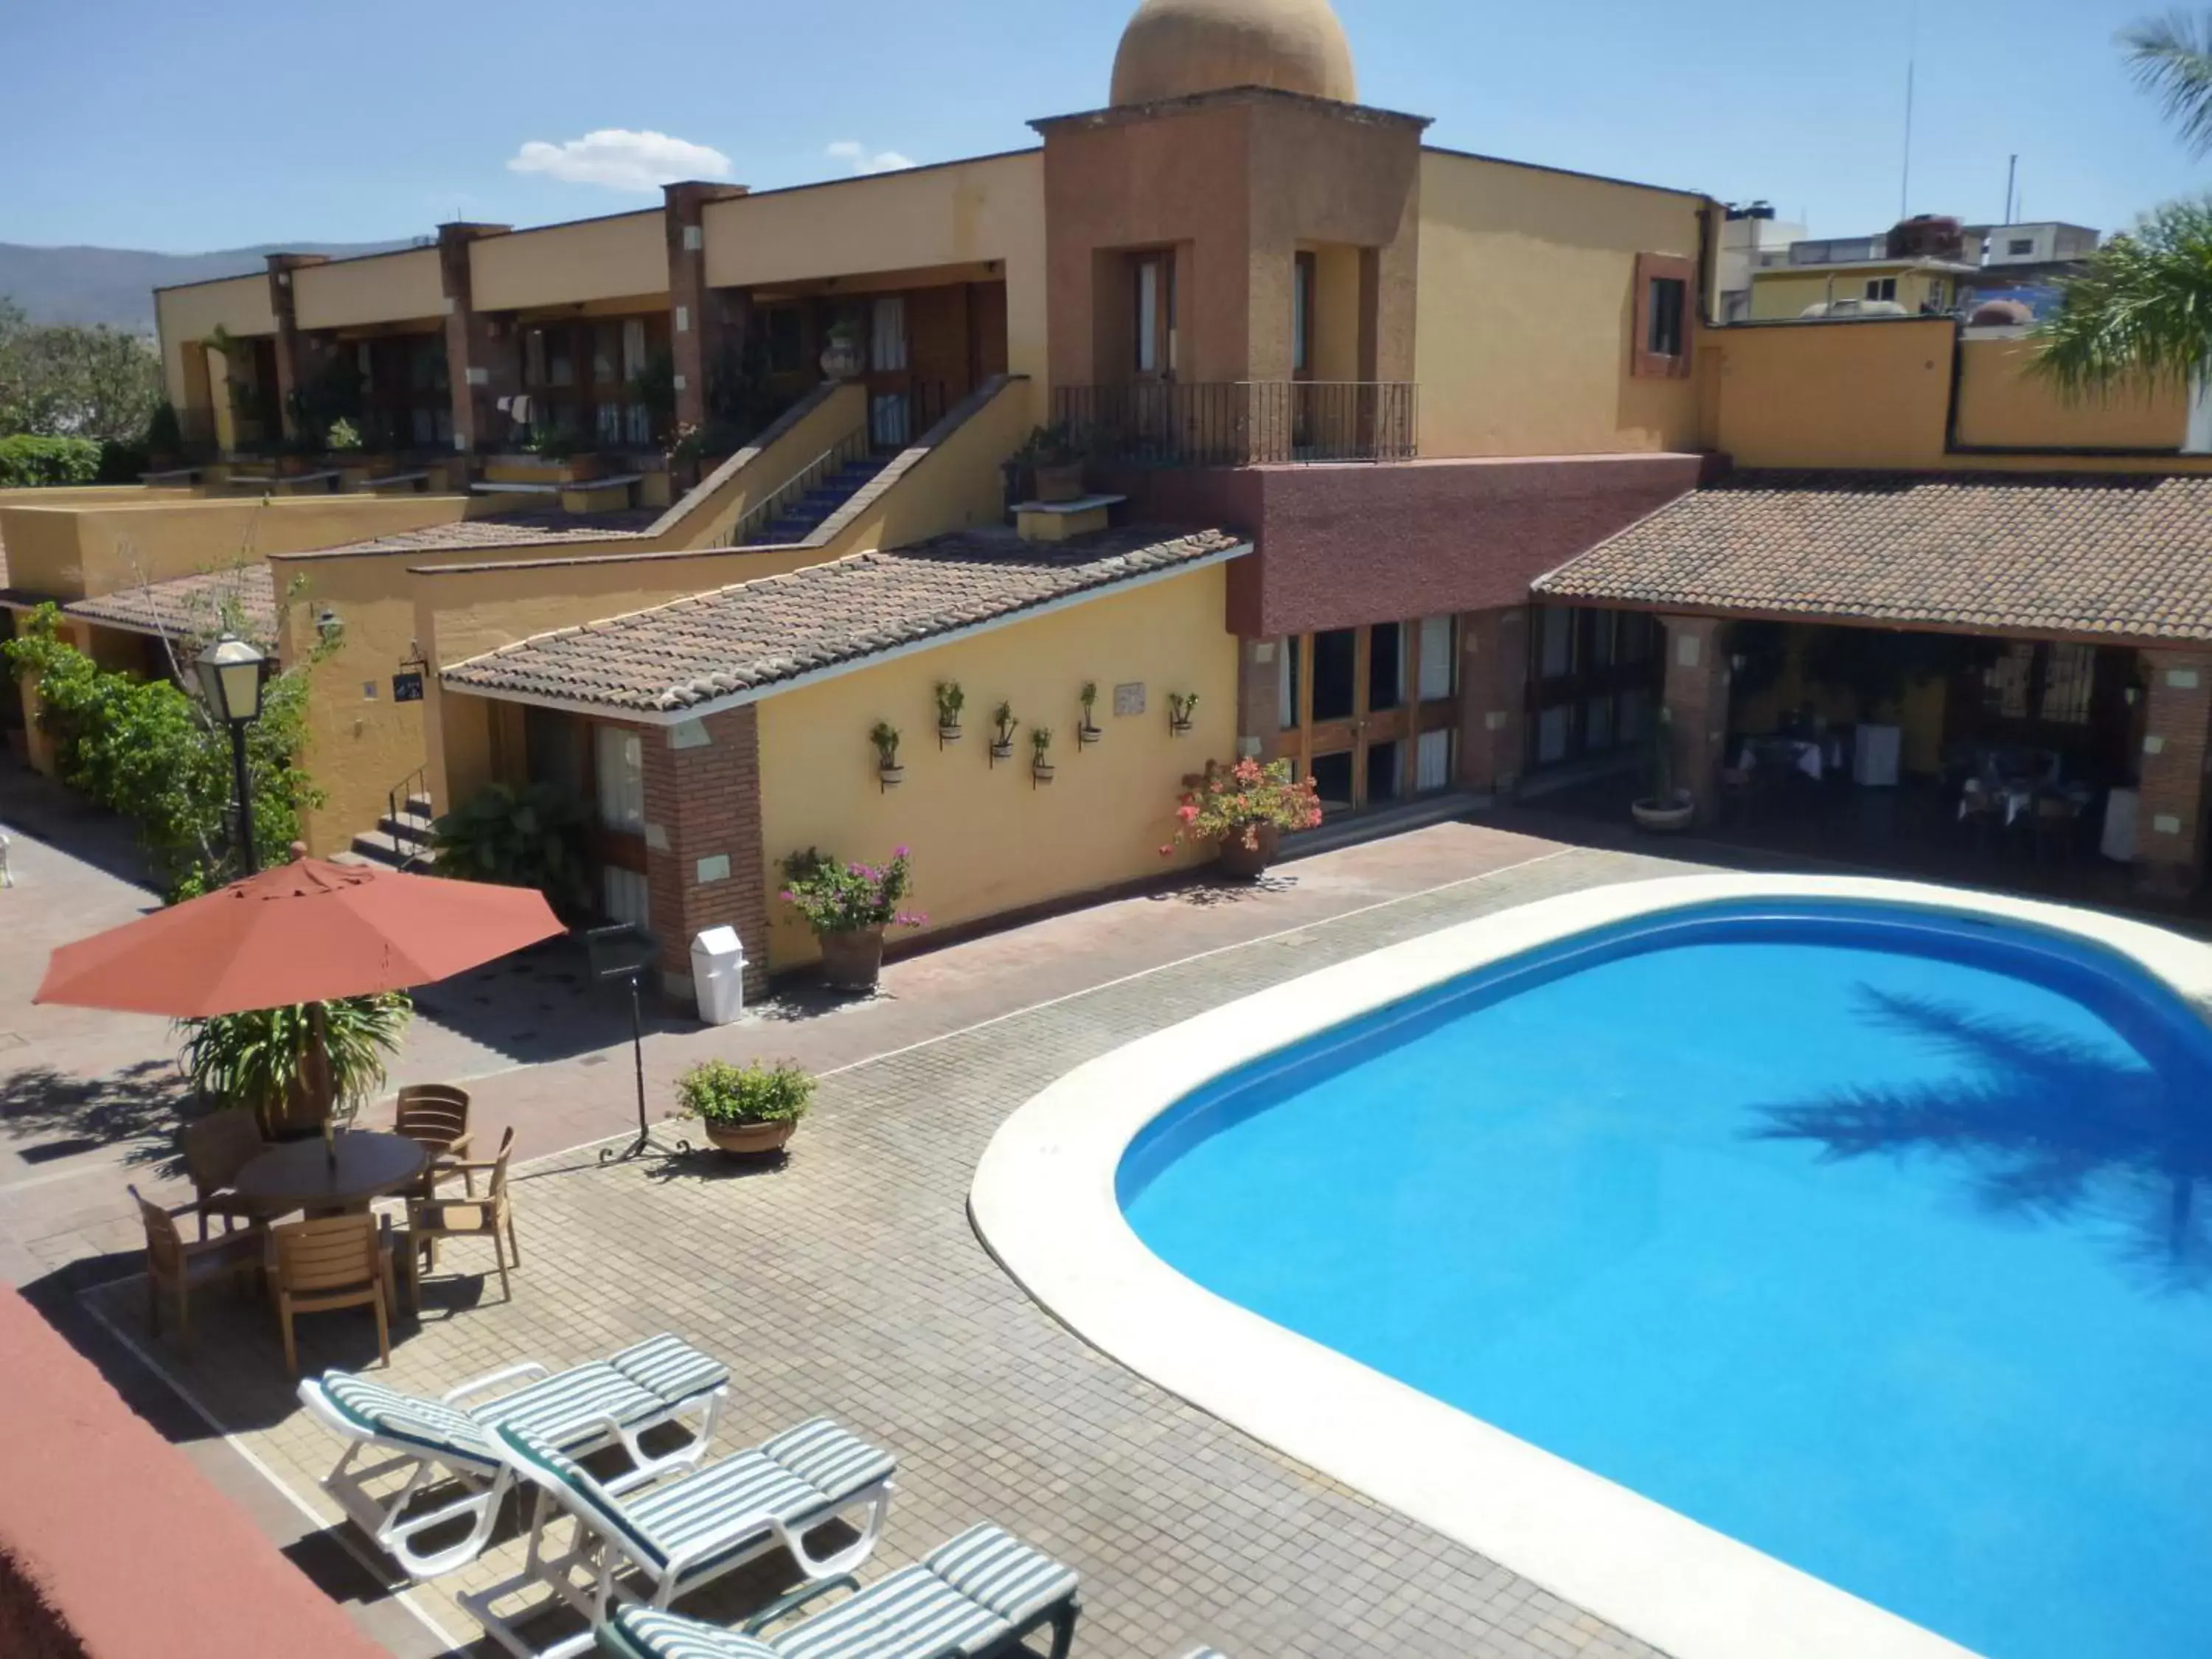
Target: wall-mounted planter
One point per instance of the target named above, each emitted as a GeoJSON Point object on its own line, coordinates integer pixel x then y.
{"type": "Point", "coordinates": [1180, 728]}
{"type": "Point", "coordinates": [1002, 751]}
{"type": "Point", "coordinates": [1040, 772]}
{"type": "Point", "coordinates": [890, 776]}
{"type": "Point", "coordinates": [948, 734]}
{"type": "Point", "coordinates": [1087, 735]}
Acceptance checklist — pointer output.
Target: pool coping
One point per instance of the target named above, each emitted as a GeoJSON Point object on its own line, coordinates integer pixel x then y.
{"type": "Point", "coordinates": [1044, 1200]}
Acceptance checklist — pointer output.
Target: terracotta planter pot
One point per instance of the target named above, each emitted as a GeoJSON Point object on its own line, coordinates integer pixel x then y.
{"type": "Point", "coordinates": [1240, 863]}
{"type": "Point", "coordinates": [1063, 483]}
{"type": "Point", "coordinates": [747, 1138]}
{"type": "Point", "coordinates": [853, 962]}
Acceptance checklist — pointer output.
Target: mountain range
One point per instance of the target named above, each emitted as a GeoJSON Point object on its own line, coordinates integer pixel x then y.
{"type": "Point", "coordinates": [115, 285]}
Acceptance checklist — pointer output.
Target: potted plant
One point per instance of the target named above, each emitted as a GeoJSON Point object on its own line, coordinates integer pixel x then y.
{"type": "Point", "coordinates": [1002, 732]}
{"type": "Point", "coordinates": [1040, 753]}
{"type": "Point", "coordinates": [1245, 808]}
{"type": "Point", "coordinates": [1665, 807]}
{"type": "Point", "coordinates": [951, 699]}
{"type": "Point", "coordinates": [1054, 463]}
{"type": "Point", "coordinates": [843, 358]}
{"type": "Point", "coordinates": [264, 1060]}
{"type": "Point", "coordinates": [849, 906]}
{"type": "Point", "coordinates": [1088, 732]}
{"type": "Point", "coordinates": [745, 1108]}
{"type": "Point", "coordinates": [1181, 705]}
{"type": "Point", "coordinates": [886, 737]}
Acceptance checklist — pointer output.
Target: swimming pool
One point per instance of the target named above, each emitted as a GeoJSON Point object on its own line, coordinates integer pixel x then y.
{"type": "Point", "coordinates": [1854, 1227]}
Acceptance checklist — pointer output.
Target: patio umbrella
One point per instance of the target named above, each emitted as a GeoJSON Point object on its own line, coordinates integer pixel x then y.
{"type": "Point", "coordinates": [308, 931]}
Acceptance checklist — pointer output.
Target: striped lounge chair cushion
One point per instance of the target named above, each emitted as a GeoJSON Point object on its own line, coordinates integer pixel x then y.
{"type": "Point", "coordinates": [429, 1425]}
{"type": "Point", "coordinates": [671, 1368]}
{"type": "Point", "coordinates": [966, 1595]}
{"type": "Point", "coordinates": [806, 1471]}
{"type": "Point", "coordinates": [573, 1405]}
{"type": "Point", "coordinates": [643, 1632]}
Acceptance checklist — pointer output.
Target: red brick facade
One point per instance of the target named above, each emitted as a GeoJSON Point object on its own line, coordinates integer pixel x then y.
{"type": "Point", "coordinates": [704, 865]}
{"type": "Point", "coordinates": [697, 326]}
{"type": "Point", "coordinates": [481, 371]}
{"type": "Point", "coordinates": [293, 370]}
{"type": "Point", "coordinates": [1698, 698]}
{"type": "Point", "coordinates": [2170, 840]}
{"type": "Point", "coordinates": [1493, 677]}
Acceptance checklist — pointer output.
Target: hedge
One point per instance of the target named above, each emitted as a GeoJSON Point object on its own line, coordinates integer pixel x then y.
{"type": "Point", "coordinates": [27, 462]}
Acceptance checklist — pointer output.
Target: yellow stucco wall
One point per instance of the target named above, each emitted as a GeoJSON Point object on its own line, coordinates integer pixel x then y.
{"type": "Point", "coordinates": [970, 211]}
{"type": "Point", "coordinates": [1527, 307]}
{"type": "Point", "coordinates": [182, 315]}
{"type": "Point", "coordinates": [985, 840]}
{"type": "Point", "coordinates": [80, 552]}
{"type": "Point", "coordinates": [2000, 402]}
{"type": "Point", "coordinates": [387, 288]}
{"type": "Point", "coordinates": [611, 258]}
{"type": "Point", "coordinates": [1786, 290]}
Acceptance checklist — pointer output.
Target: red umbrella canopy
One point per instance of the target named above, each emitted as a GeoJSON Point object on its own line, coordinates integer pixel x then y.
{"type": "Point", "coordinates": [304, 932]}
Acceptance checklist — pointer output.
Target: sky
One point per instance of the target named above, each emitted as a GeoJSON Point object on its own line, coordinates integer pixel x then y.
{"type": "Point", "coordinates": [227, 123]}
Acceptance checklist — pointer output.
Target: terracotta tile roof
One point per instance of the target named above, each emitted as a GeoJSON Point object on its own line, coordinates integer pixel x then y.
{"type": "Point", "coordinates": [2125, 556]}
{"type": "Point", "coordinates": [191, 607]}
{"type": "Point", "coordinates": [760, 633]}
{"type": "Point", "coordinates": [510, 530]}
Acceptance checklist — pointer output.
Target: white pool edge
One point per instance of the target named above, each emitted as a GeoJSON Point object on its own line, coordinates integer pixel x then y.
{"type": "Point", "coordinates": [1044, 1200]}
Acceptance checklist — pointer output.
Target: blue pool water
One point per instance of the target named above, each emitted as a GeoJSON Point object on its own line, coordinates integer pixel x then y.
{"type": "Point", "coordinates": [1877, 1243]}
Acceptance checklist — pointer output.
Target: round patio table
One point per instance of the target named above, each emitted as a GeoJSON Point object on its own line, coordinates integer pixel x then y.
{"type": "Point", "coordinates": [300, 1175]}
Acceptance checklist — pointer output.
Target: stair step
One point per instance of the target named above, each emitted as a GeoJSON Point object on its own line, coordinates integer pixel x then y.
{"type": "Point", "coordinates": [419, 806]}
{"type": "Point", "coordinates": [375, 847]}
{"type": "Point", "coordinates": [407, 826]}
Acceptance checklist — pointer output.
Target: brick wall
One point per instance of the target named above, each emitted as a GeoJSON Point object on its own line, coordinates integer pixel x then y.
{"type": "Point", "coordinates": [703, 849]}
{"type": "Point", "coordinates": [1698, 698]}
{"type": "Point", "coordinates": [696, 315]}
{"type": "Point", "coordinates": [471, 344]}
{"type": "Point", "coordinates": [1493, 677]}
{"type": "Point", "coordinates": [2170, 838]}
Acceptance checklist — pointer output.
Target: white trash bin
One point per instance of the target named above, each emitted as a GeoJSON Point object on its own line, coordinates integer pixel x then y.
{"type": "Point", "coordinates": [718, 974]}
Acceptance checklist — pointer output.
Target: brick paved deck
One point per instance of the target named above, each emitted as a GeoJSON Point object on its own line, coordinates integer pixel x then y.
{"type": "Point", "coordinates": [849, 1281]}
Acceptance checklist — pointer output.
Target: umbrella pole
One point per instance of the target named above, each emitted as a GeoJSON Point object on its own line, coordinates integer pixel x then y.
{"type": "Point", "coordinates": [319, 1076]}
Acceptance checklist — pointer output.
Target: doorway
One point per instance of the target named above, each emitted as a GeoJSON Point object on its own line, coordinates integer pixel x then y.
{"type": "Point", "coordinates": [1370, 713]}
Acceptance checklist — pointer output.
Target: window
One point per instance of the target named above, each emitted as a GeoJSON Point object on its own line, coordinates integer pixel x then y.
{"type": "Point", "coordinates": [1660, 347]}
{"type": "Point", "coordinates": [887, 334]}
{"type": "Point", "coordinates": [1664, 337]}
{"type": "Point", "coordinates": [1439, 652]}
{"type": "Point", "coordinates": [1155, 319]}
{"type": "Point", "coordinates": [2019, 247]}
{"type": "Point", "coordinates": [784, 336]}
{"type": "Point", "coordinates": [632, 347]}
{"type": "Point", "coordinates": [1286, 684]}
{"type": "Point", "coordinates": [1881, 287]}
{"type": "Point", "coordinates": [1302, 269]}
{"type": "Point", "coordinates": [620, 754]}
{"type": "Point", "coordinates": [606, 342]}
{"type": "Point", "coordinates": [1939, 293]}
{"type": "Point", "coordinates": [624, 896]}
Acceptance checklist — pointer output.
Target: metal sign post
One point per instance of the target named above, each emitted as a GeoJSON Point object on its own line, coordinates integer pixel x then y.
{"type": "Point", "coordinates": [623, 952]}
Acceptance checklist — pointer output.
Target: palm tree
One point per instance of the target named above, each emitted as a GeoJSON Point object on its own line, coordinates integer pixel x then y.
{"type": "Point", "coordinates": [2172, 58]}
{"type": "Point", "coordinates": [2141, 308]}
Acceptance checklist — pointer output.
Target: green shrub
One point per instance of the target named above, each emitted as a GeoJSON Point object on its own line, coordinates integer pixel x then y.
{"type": "Point", "coordinates": [258, 1061]}
{"type": "Point", "coordinates": [718, 1092]}
{"type": "Point", "coordinates": [30, 462]}
{"type": "Point", "coordinates": [527, 836]}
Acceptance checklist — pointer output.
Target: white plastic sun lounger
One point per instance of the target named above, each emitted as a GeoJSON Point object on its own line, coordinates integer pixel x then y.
{"type": "Point", "coordinates": [683, 1533]}
{"type": "Point", "coordinates": [601, 1403]}
{"type": "Point", "coordinates": [979, 1595]}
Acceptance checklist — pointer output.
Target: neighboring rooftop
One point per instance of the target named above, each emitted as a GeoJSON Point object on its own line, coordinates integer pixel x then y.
{"type": "Point", "coordinates": [191, 608]}
{"type": "Point", "coordinates": [2122, 558]}
{"type": "Point", "coordinates": [512, 529]}
{"type": "Point", "coordinates": [758, 635]}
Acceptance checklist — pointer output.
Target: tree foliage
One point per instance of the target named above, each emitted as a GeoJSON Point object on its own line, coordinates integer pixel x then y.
{"type": "Point", "coordinates": [2142, 307]}
{"type": "Point", "coordinates": [260, 1060]}
{"type": "Point", "coordinates": [2171, 58]}
{"type": "Point", "coordinates": [71, 380]}
{"type": "Point", "coordinates": [153, 753]}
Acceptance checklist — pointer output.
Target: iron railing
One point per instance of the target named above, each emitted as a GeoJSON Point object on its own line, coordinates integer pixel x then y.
{"type": "Point", "coordinates": [1240, 423]}
{"type": "Point", "coordinates": [412, 844]}
{"type": "Point", "coordinates": [852, 447]}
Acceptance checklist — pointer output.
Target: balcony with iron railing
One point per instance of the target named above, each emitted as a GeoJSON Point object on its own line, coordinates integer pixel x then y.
{"type": "Point", "coordinates": [1173, 424]}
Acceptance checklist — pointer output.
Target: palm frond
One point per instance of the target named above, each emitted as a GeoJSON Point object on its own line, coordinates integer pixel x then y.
{"type": "Point", "coordinates": [2171, 58]}
{"type": "Point", "coordinates": [2141, 309]}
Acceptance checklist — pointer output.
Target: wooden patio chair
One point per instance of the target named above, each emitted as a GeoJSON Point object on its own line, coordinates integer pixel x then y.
{"type": "Point", "coordinates": [216, 1147]}
{"type": "Point", "coordinates": [176, 1267]}
{"type": "Point", "coordinates": [430, 1220]}
{"type": "Point", "coordinates": [437, 1115]}
{"type": "Point", "coordinates": [333, 1261]}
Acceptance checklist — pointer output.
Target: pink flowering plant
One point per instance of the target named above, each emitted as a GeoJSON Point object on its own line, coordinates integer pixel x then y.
{"type": "Point", "coordinates": [837, 898]}
{"type": "Point", "coordinates": [1242, 799]}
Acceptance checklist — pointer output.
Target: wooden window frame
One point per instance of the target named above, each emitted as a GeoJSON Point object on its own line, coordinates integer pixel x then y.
{"type": "Point", "coordinates": [1305, 293]}
{"type": "Point", "coordinates": [1163, 333]}
{"type": "Point", "coordinates": [1646, 364]}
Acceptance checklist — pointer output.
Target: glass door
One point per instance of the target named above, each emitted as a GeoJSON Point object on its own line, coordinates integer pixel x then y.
{"type": "Point", "coordinates": [1369, 712]}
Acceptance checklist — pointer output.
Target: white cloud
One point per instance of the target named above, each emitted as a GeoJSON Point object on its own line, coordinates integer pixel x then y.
{"type": "Point", "coordinates": [862, 159]}
{"type": "Point", "coordinates": [622, 159]}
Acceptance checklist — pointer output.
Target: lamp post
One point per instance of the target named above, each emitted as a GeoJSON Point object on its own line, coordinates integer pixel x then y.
{"type": "Point", "coordinates": [230, 679]}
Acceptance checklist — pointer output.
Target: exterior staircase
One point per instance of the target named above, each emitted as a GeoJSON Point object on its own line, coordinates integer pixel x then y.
{"type": "Point", "coordinates": [401, 840]}
{"type": "Point", "coordinates": [797, 516]}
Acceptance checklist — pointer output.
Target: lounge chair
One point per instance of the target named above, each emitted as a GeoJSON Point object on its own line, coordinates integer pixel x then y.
{"type": "Point", "coordinates": [685, 1533]}
{"type": "Point", "coordinates": [979, 1595]}
{"type": "Point", "coordinates": [588, 1406]}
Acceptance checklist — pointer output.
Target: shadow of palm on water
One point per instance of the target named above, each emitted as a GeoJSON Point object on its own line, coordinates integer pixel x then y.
{"type": "Point", "coordinates": [2045, 1127]}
